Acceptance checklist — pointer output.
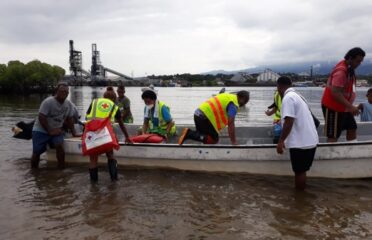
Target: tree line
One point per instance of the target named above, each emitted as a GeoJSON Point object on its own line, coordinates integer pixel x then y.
{"type": "Point", "coordinates": [32, 77]}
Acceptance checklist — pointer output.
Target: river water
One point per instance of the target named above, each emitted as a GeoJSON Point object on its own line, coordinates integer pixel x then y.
{"type": "Point", "coordinates": [162, 204]}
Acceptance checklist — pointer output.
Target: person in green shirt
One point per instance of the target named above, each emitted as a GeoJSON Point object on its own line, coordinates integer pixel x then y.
{"type": "Point", "coordinates": [123, 103]}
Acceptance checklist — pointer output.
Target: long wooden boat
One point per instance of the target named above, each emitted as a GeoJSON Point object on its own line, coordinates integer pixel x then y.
{"type": "Point", "coordinates": [256, 154]}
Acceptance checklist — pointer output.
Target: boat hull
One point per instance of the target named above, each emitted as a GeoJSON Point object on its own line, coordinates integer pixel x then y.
{"type": "Point", "coordinates": [337, 160]}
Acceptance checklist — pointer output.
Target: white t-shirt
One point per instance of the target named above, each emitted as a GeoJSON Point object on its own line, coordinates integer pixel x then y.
{"type": "Point", "coordinates": [303, 133]}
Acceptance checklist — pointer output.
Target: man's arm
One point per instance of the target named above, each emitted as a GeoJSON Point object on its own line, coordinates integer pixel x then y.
{"type": "Point", "coordinates": [71, 125]}
{"type": "Point", "coordinates": [337, 93]}
{"type": "Point", "coordinates": [126, 113]}
{"type": "Point", "coordinates": [232, 110]}
{"type": "Point", "coordinates": [126, 108]}
{"type": "Point", "coordinates": [270, 112]}
{"type": "Point", "coordinates": [145, 125]}
{"type": "Point", "coordinates": [287, 127]}
{"type": "Point", "coordinates": [360, 107]}
{"type": "Point", "coordinates": [124, 130]}
{"type": "Point", "coordinates": [44, 122]}
{"type": "Point", "coordinates": [119, 120]}
{"type": "Point", "coordinates": [169, 127]}
{"type": "Point", "coordinates": [231, 130]}
{"type": "Point", "coordinates": [168, 119]}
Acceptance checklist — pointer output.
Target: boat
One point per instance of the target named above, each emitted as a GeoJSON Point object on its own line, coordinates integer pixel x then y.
{"type": "Point", "coordinates": [303, 84]}
{"type": "Point", "coordinates": [254, 155]}
{"type": "Point", "coordinates": [223, 90]}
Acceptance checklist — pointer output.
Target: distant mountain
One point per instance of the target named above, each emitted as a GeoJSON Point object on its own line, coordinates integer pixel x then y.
{"type": "Point", "coordinates": [215, 72]}
{"type": "Point", "coordinates": [322, 68]}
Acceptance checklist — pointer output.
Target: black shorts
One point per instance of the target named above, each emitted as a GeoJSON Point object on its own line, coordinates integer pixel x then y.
{"type": "Point", "coordinates": [301, 159]}
{"type": "Point", "coordinates": [204, 126]}
{"type": "Point", "coordinates": [336, 122]}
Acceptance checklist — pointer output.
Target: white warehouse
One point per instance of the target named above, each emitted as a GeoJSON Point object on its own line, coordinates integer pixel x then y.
{"type": "Point", "coordinates": [268, 76]}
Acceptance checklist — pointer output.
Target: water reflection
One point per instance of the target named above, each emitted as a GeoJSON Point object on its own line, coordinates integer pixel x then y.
{"type": "Point", "coordinates": [316, 214]}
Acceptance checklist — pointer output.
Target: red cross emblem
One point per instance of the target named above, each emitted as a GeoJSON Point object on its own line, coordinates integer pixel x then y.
{"type": "Point", "coordinates": [105, 105]}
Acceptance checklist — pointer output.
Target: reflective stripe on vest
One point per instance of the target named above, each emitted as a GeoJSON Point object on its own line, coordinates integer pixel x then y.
{"type": "Point", "coordinates": [218, 115]}
{"type": "Point", "coordinates": [101, 109]}
{"type": "Point", "coordinates": [215, 109]}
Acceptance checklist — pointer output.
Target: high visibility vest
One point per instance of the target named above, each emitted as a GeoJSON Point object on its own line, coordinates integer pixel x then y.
{"type": "Point", "coordinates": [101, 108]}
{"type": "Point", "coordinates": [161, 128]}
{"type": "Point", "coordinates": [215, 109]}
{"type": "Point", "coordinates": [278, 104]}
{"type": "Point", "coordinates": [328, 99]}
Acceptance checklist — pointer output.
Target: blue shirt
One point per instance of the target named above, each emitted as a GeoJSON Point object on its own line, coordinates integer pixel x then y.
{"type": "Point", "coordinates": [165, 112]}
{"type": "Point", "coordinates": [366, 114]}
{"type": "Point", "coordinates": [232, 110]}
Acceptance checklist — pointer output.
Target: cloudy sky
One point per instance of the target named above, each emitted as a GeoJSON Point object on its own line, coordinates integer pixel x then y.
{"type": "Point", "coordinates": [143, 37]}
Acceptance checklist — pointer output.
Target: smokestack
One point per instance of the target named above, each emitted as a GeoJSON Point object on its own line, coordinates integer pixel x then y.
{"type": "Point", "coordinates": [71, 45]}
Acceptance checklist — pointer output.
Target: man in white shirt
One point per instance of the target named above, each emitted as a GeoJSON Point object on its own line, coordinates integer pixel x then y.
{"type": "Point", "coordinates": [299, 133]}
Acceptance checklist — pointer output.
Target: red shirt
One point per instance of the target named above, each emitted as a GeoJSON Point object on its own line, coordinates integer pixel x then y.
{"type": "Point", "coordinates": [339, 78]}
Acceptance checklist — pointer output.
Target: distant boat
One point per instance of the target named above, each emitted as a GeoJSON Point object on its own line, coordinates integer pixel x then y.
{"type": "Point", "coordinates": [303, 84]}
{"type": "Point", "coordinates": [223, 90]}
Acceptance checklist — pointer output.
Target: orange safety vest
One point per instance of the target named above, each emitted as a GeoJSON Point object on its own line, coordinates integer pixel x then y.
{"type": "Point", "coordinates": [215, 109]}
{"type": "Point", "coordinates": [328, 100]}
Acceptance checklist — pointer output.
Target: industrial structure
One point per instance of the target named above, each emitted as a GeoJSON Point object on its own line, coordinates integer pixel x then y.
{"type": "Point", "coordinates": [97, 71]}
{"type": "Point", "coordinates": [268, 76]}
{"type": "Point", "coordinates": [76, 63]}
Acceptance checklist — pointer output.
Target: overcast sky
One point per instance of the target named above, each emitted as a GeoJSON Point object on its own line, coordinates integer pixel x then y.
{"type": "Point", "coordinates": [143, 37]}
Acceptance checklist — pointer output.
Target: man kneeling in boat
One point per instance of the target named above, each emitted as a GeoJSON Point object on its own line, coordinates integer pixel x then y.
{"type": "Point", "coordinates": [213, 115]}
{"type": "Point", "coordinates": [299, 132]}
{"type": "Point", "coordinates": [95, 112]}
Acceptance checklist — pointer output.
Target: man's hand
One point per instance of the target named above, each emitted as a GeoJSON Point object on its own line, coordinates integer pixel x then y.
{"type": "Point", "coordinates": [354, 110]}
{"type": "Point", "coordinates": [234, 143]}
{"type": "Point", "coordinates": [55, 131]}
{"type": "Point", "coordinates": [280, 147]}
{"type": "Point", "coordinates": [270, 112]}
{"type": "Point", "coordinates": [77, 134]}
{"type": "Point", "coordinates": [167, 137]}
{"type": "Point", "coordinates": [337, 93]}
{"type": "Point", "coordinates": [231, 130]}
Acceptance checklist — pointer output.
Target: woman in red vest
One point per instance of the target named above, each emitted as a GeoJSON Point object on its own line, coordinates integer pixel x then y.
{"type": "Point", "coordinates": [339, 95]}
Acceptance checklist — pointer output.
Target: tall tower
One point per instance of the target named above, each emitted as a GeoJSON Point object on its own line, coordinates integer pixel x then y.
{"type": "Point", "coordinates": [76, 61]}
{"type": "Point", "coordinates": [97, 70]}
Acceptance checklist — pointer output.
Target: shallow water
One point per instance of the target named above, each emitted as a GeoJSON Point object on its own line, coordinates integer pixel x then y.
{"type": "Point", "coordinates": [158, 204]}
